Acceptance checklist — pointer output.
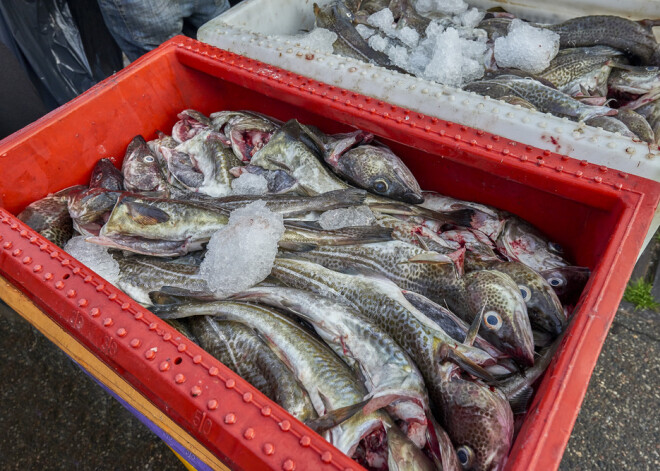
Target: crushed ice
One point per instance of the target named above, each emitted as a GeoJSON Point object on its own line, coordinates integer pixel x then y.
{"type": "Point", "coordinates": [95, 257]}
{"type": "Point", "coordinates": [242, 253]}
{"type": "Point", "coordinates": [249, 184]}
{"type": "Point", "coordinates": [347, 217]}
{"type": "Point", "coordinates": [526, 47]}
{"type": "Point", "coordinates": [317, 40]}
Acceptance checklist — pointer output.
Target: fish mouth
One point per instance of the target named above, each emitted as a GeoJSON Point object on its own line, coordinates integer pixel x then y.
{"type": "Point", "coordinates": [413, 197]}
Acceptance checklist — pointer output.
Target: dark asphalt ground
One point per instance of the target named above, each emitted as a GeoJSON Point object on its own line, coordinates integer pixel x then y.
{"type": "Point", "coordinates": [53, 416]}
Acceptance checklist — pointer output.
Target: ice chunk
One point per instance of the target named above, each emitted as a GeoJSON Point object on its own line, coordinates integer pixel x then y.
{"type": "Point", "coordinates": [249, 184]}
{"type": "Point", "coordinates": [398, 55]}
{"type": "Point", "coordinates": [447, 61]}
{"type": "Point", "coordinates": [95, 257]}
{"type": "Point", "coordinates": [378, 43]}
{"type": "Point", "coordinates": [241, 254]}
{"type": "Point", "coordinates": [526, 47]}
{"type": "Point", "coordinates": [408, 36]}
{"type": "Point", "coordinates": [451, 7]}
{"type": "Point", "coordinates": [318, 40]}
{"type": "Point", "coordinates": [347, 217]}
{"type": "Point", "coordinates": [471, 18]}
{"type": "Point", "coordinates": [365, 31]}
{"type": "Point", "coordinates": [383, 20]}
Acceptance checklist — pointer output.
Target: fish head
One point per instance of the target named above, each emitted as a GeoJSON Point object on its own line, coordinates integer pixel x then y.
{"type": "Point", "coordinates": [521, 242]}
{"type": "Point", "coordinates": [378, 170]}
{"type": "Point", "coordinates": [403, 454]}
{"type": "Point", "coordinates": [505, 322]}
{"type": "Point", "coordinates": [478, 419]}
{"type": "Point", "coordinates": [141, 169]}
{"type": "Point", "coordinates": [106, 175]}
{"type": "Point", "coordinates": [543, 306]}
{"type": "Point", "coordinates": [91, 209]}
{"type": "Point", "coordinates": [191, 123]}
{"type": "Point", "coordinates": [567, 282]}
{"type": "Point", "coordinates": [244, 131]}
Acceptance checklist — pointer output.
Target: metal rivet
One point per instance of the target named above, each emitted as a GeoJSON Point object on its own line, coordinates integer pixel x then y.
{"type": "Point", "coordinates": [212, 404]}
{"type": "Point", "coordinates": [181, 347]}
{"type": "Point", "coordinates": [164, 366]}
{"type": "Point", "coordinates": [249, 434]}
{"type": "Point", "coordinates": [230, 418]}
{"type": "Point", "coordinates": [268, 448]}
{"type": "Point", "coordinates": [150, 354]}
{"type": "Point", "coordinates": [230, 383]}
{"type": "Point", "coordinates": [197, 359]}
{"type": "Point", "coordinates": [285, 425]}
{"type": "Point", "coordinates": [82, 302]}
{"type": "Point", "coordinates": [213, 371]}
{"type": "Point", "coordinates": [195, 391]}
{"type": "Point", "coordinates": [125, 306]}
{"type": "Point", "coordinates": [135, 343]}
{"type": "Point", "coordinates": [265, 411]}
{"type": "Point", "coordinates": [247, 397]}
{"type": "Point", "coordinates": [289, 465]}
{"type": "Point", "coordinates": [305, 441]}
{"type": "Point", "coordinates": [94, 312]}
{"type": "Point", "coordinates": [121, 332]}
{"type": "Point", "coordinates": [326, 457]}
{"type": "Point", "coordinates": [108, 321]}
{"type": "Point", "coordinates": [71, 293]}
{"type": "Point", "coordinates": [27, 260]}
{"type": "Point", "coordinates": [37, 268]}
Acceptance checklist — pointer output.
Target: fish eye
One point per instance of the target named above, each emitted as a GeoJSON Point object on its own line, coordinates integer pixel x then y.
{"type": "Point", "coordinates": [555, 247]}
{"type": "Point", "coordinates": [492, 320]}
{"type": "Point", "coordinates": [380, 186]}
{"type": "Point", "coordinates": [465, 456]}
{"type": "Point", "coordinates": [526, 292]}
{"type": "Point", "coordinates": [555, 282]}
{"type": "Point", "coordinates": [149, 159]}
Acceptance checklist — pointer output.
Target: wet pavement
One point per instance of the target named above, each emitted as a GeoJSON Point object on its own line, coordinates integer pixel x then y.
{"type": "Point", "coordinates": [53, 416]}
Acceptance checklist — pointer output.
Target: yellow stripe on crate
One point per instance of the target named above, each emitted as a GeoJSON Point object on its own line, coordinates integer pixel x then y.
{"type": "Point", "coordinates": [188, 466]}
{"type": "Point", "coordinates": [60, 337]}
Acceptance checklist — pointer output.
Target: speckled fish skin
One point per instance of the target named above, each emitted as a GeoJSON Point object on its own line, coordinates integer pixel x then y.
{"type": "Point", "coordinates": [141, 169]}
{"type": "Point", "coordinates": [517, 101]}
{"type": "Point", "coordinates": [636, 80]}
{"type": "Point", "coordinates": [298, 151]}
{"type": "Point", "coordinates": [412, 233]}
{"type": "Point", "coordinates": [329, 382]}
{"type": "Point", "coordinates": [245, 131]}
{"type": "Point", "coordinates": [378, 170]}
{"type": "Point", "coordinates": [139, 275]}
{"type": "Point", "coordinates": [575, 70]}
{"type": "Point", "coordinates": [466, 296]}
{"type": "Point", "coordinates": [544, 98]}
{"type": "Point", "coordinates": [390, 375]}
{"type": "Point", "coordinates": [381, 302]}
{"type": "Point", "coordinates": [614, 31]}
{"type": "Point", "coordinates": [637, 124]}
{"type": "Point", "coordinates": [611, 124]}
{"type": "Point", "coordinates": [50, 217]}
{"type": "Point", "coordinates": [105, 175]}
{"type": "Point", "coordinates": [90, 209]}
{"type": "Point", "coordinates": [240, 349]}
{"type": "Point", "coordinates": [302, 235]}
{"type": "Point", "coordinates": [651, 112]}
{"type": "Point", "coordinates": [476, 418]}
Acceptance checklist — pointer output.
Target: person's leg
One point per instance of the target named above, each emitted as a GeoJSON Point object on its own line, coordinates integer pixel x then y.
{"type": "Point", "coordinates": [206, 10]}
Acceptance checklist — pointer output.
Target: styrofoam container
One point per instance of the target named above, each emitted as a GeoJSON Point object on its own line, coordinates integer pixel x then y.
{"type": "Point", "coordinates": [598, 215]}
{"type": "Point", "coordinates": [256, 29]}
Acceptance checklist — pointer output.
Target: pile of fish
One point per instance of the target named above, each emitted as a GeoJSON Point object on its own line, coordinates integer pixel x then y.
{"type": "Point", "coordinates": [603, 70]}
{"type": "Point", "coordinates": [406, 327]}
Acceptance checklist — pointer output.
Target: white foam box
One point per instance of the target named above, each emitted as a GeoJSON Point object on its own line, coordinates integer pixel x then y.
{"type": "Point", "coordinates": [254, 28]}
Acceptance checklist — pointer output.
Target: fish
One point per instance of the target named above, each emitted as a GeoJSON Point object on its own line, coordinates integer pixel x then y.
{"type": "Point", "coordinates": [298, 151]}
{"type": "Point", "coordinates": [637, 124]}
{"type": "Point", "coordinates": [245, 131]}
{"type": "Point", "coordinates": [651, 111]}
{"type": "Point", "coordinates": [141, 169]}
{"type": "Point", "coordinates": [139, 275]}
{"type": "Point", "coordinates": [329, 382]}
{"type": "Point", "coordinates": [279, 181]}
{"type": "Point", "coordinates": [190, 124]}
{"type": "Point", "coordinates": [495, 27]}
{"type": "Point", "coordinates": [614, 31]}
{"type": "Point", "coordinates": [568, 282]}
{"type": "Point", "coordinates": [245, 353]}
{"type": "Point", "coordinates": [582, 71]}
{"type": "Point", "coordinates": [90, 209]}
{"type": "Point", "coordinates": [506, 322]}
{"type": "Point", "coordinates": [337, 18]}
{"type": "Point", "coordinates": [105, 175]}
{"type": "Point", "coordinates": [378, 170]}
{"type": "Point", "coordinates": [49, 216]}
{"type": "Point", "coordinates": [545, 99]}
{"type": "Point", "coordinates": [517, 101]}
{"type": "Point", "coordinates": [611, 124]}
{"type": "Point", "coordinates": [636, 80]}
{"type": "Point", "coordinates": [301, 236]}
{"type": "Point", "coordinates": [391, 377]}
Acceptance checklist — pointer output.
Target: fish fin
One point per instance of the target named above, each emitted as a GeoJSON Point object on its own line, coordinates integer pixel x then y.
{"type": "Point", "coordinates": [334, 417]}
{"type": "Point", "coordinates": [461, 217]}
{"type": "Point", "coordinates": [446, 352]}
{"type": "Point", "coordinates": [145, 214]}
{"type": "Point", "coordinates": [472, 332]}
{"type": "Point", "coordinates": [183, 292]}
{"type": "Point", "coordinates": [349, 196]}
{"type": "Point", "coordinates": [430, 257]}
{"type": "Point", "coordinates": [279, 164]}
{"type": "Point", "coordinates": [520, 400]}
{"type": "Point", "coordinates": [297, 246]}
{"type": "Point", "coordinates": [359, 270]}
{"type": "Point", "coordinates": [160, 298]}
{"type": "Point", "coordinates": [421, 241]}
{"type": "Point", "coordinates": [169, 311]}
{"type": "Point", "coordinates": [392, 208]}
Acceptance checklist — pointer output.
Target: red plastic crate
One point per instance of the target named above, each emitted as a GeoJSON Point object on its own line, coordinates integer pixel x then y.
{"type": "Point", "coordinates": [599, 215]}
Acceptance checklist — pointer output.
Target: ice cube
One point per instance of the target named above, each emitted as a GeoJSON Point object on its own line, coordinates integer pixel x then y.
{"type": "Point", "coordinates": [242, 253]}
{"type": "Point", "coordinates": [365, 31]}
{"type": "Point", "coordinates": [526, 47]}
{"type": "Point", "coordinates": [471, 18]}
{"type": "Point", "coordinates": [408, 36]}
{"type": "Point", "coordinates": [383, 20]}
{"type": "Point", "coordinates": [378, 42]}
{"type": "Point", "coordinates": [398, 55]}
{"type": "Point", "coordinates": [447, 60]}
{"type": "Point", "coordinates": [347, 217]}
{"type": "Point", "coordinates": [249, 184]}
{"type": "Point", "coordinates": [95, 257]}
{"type": "Point", "coordinates": [451, 7]}
{"type": "Point", "coordinates": [318, 40]}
